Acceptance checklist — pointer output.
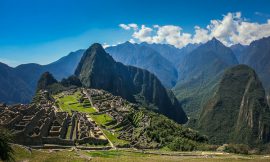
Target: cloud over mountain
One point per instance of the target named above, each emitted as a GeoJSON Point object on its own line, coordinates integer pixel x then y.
{"type": "Point", "coordinates": [231, 29]}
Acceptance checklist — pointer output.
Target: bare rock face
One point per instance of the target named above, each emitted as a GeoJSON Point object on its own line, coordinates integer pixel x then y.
{"type": "Point", "coordinates": [238, 111]}
{"type": "Point", "coordinates": [97, 69]}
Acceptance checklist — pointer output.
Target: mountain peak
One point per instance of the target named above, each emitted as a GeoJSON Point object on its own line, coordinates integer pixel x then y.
{"type": "Point", "coordinates": [46, 80]}
{"type": "Point", "coordinates": [96, 47]}
{"type": "Point", "coordinates": [95, 50]}
{"type": "Point", "coordinates": [215, 41]}
{"type": "Point", "coordinates": [128, 43]}
{"type": "Point", "coordinates": [95, 53]}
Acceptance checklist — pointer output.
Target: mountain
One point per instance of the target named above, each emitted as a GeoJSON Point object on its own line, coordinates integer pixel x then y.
{"type": "Point", "coordinates": [45, 80]}
{"type": "Point", "coordinates": [257, 56]}
{"type": "Point", "coordinates": [238, 112]}
{"type": "Point", "coordinates": [97, 69]}
{"type": "Point", "coordinates": [142, 56]}
{"type": "Point", "coordinates": [238, 50]}
{"type": "Point", "coordinates": [61, 68]}
{"type": "Point", "coordinates": [199, 71]}
{"type": "Point", "coordinates": [12, 88]}
{"type": "Point", "coordinates": [171, 53]}
{"type": "Point", "coordinates": [27, 75]}
{"type": "Point", "coordinates": [66, 65]}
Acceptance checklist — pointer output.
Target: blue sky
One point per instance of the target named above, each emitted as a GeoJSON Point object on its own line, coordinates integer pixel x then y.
{"type": "Point", "coordinates": [42, 31]}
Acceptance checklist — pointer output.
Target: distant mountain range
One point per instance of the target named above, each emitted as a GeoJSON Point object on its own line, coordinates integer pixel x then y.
{"type": "Point", "coordinates": [199, 71]}
{"type": "Point", "coordinates": [257, 56]}
{"type": "Point", "coordinates": [163, 60]}
{"type": "Point", "coordinates": [143, 56]}
{"type": "Point", "coordinates": [18, 84]}
{"type": "Point", "coordinates": [191, 72]}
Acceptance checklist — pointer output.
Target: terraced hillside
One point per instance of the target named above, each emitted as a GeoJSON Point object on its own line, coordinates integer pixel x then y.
{"type": "Point", "coordinates": [123, 123]}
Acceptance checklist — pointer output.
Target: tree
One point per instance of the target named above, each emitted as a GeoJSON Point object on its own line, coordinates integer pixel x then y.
{"type": "Point", "coordinates": [6, 151]}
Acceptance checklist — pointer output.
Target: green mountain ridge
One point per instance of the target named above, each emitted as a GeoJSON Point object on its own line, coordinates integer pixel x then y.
{"type": "Point", "coordinates": [238, 111]}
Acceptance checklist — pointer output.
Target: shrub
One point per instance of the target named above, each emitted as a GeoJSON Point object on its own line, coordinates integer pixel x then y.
{"type": "Point", "coordinates": [182, 144]}
{"type": "Point", "coordinates": [235, 148]}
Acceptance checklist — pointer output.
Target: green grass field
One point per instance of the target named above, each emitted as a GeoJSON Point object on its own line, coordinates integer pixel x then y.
{"type": "Point", "coordinates": [24, 155]}
{"type": "Point", "coordinates": [101, 119]}
{"type": "Point", "coordinates": [70, 102]}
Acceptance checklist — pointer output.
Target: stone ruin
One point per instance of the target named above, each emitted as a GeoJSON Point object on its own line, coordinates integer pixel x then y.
{"type": "Point", "coordinates": [42, 123]}
{"type": "Point", "coordinates": [118, 109]}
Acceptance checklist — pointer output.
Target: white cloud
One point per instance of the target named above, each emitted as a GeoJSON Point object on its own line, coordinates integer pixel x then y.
{"type": "Point", "coordinates": [129, 26]}
{"type": "Point", "coordinates": [105, 45]}
{"type": "Point", "coordinates": [144, 34]}
{"type": "Point", "coordinates": [134, 26]}
{"type": "Point", "coordinates": [124, 26]}
{"type": "Point", "coordinates": [231, 29]}
{"type": "Point", "coordinates": [132, 41]}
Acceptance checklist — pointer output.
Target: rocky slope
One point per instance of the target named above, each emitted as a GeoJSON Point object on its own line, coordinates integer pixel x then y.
{"type": "Point", "coordinates": [238, 112]}
{"type": "Point", "coordinates": [97, 69]}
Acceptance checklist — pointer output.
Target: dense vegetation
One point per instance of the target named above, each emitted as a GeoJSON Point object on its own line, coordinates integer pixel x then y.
{"type": "Point", "coordinates": [238, 112]}
{"type": "Point", "coordinates": [167, 133]}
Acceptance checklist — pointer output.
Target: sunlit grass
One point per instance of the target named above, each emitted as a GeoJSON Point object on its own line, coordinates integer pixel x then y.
{"type": "Point", "coordinates": [22, 154]}
{"type": "Point", "coordinates": [113, 138]}
{"type": "Point", "coordinates": [71, 102]}
{"type": "Point", "coordinates": [102, 119]}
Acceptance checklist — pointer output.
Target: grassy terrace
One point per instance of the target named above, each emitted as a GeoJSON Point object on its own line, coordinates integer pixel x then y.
{"type": "Point", "coordinates": [70, 102]}
{"type": "Point", "coordinates": [113, 138]}
{"type": "Point", "coordinates": [22, 154]}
